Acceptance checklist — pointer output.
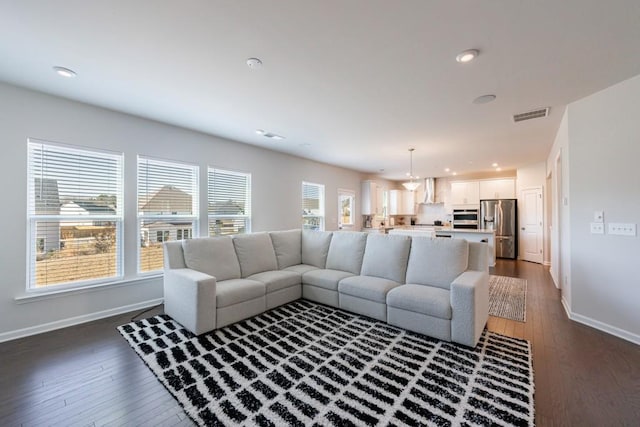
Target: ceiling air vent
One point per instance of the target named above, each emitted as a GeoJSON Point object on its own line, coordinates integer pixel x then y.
{"type": "Point", "coordinates": [541, 112]}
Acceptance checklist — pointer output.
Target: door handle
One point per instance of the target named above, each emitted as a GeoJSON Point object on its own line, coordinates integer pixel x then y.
{"type": "Point", "coordinates": [522, 229]}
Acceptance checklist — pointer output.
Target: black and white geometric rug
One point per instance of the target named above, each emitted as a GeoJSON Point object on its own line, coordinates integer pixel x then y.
{"type": "Point", "coordinates": [508, 297]}
{"type": "Point", "coordinates": [308, 364]}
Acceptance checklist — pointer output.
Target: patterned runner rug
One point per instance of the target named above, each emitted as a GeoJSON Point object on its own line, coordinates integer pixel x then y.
{"type": "Point", "coordinates": [508, 297]}
{"type": "Point", "coordinates": [308, 364]}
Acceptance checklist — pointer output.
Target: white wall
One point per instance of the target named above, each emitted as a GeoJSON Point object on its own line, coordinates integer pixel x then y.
{"type": "Point", "coordinates": [604, 136]}
{"type": "Point", "coordinates": [276, 201]}
{"type": "Point", "coordinates": [598, 144]}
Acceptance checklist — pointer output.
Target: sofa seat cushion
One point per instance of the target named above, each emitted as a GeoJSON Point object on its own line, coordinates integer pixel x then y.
{"type": "Point", "coordinates": [367, 287]}
{"type": "Point", "coordinates": [277, 279]}
{"type": "Point", "coordinates": [429, 300]}
{"type": "Point", "coordinates": [301, 268]}
{"type": "Point", "coordinates": [215, 256]}
{"type": "Point", "coordinates": [255, 253]}
{"type": "Point", "coordinates": [235, 291]}
{"type": "Point", "coordinates": [324, 278]}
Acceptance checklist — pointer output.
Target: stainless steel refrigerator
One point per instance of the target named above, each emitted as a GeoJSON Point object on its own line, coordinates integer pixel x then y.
{"type": "Point", "coordinates": [501, 216]}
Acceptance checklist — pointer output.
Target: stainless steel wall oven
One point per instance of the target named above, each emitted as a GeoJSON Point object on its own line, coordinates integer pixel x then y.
{"type": "Point", "coordinates": [465, 219]}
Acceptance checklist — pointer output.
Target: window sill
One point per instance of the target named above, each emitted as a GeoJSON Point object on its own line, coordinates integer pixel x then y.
{"type": "Point", "coordinates": [33, 296]}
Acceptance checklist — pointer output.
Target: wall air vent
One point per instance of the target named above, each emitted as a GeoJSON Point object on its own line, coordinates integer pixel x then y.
{"type": "Point", "coordinates": [541, 112]}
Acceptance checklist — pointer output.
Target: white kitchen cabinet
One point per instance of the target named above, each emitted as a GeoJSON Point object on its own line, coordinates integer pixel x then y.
{"type": "Point", "coordinates": [401, 202]}
{"type": "Point", "coordinates": [465, 194]}
{"type": "Point", "coordinates": [408, 203]}
{"type": "Point", "coordinates": [498, 189]}
{"type": "Point", "coordinates": [369, 197]}
{"type": "Point", "coordinates": [395, 202]}
{"type": "Point", "coordinates": [373, 199]}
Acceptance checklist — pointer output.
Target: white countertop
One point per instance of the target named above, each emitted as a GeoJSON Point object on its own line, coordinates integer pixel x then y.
{"type": "Point", "coordinates": [424, 228]}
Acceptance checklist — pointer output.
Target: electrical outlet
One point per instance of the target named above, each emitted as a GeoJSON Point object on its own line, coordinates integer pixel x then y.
{"type": "Point", "coordinates": [597, 228]}
{"type": "Point", "coordinates": [622, 229]}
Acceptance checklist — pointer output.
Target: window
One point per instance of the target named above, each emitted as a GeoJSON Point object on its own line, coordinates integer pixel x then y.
{"type": "Point", "coordinates": [74, 215]}
{"type": "Point", "coordinates": [312, 206]}
{"type": "Point", "coordinates": [167, 203]}
{"type": "Point", "coordinates": [346, 208]}
{"type": "Point", "coordinates": [229, 198]}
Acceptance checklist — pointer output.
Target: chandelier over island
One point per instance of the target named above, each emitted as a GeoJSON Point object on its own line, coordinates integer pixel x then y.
{"type": "Point", "coordinates": [411, 185]}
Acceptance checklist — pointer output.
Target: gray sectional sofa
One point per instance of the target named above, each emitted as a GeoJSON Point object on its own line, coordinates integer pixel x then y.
{"type": "Point", "coordinates": [434, 286]}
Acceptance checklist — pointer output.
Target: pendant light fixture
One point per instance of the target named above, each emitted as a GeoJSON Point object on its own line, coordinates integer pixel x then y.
{"type": "Point", "coordinates": [411, 185]}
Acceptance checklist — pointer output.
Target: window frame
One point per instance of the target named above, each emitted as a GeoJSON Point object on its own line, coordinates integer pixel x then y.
{"type": "Point", "coordinates": [211, 217]}
{"type": "Point", "coordinates": [321, 207]}
{"type": "Point", "coordinates": [350, 194]}
{"type": "Point", "coordinates": [141, 217]}
{"type": "Point", "coordinates": [33, 218]}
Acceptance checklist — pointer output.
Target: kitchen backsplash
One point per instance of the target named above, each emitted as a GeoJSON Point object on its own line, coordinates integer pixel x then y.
{"type": "Point", "coordinates": [427, 214]}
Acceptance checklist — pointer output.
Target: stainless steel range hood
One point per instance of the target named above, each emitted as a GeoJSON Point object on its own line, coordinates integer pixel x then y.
{"type": "Point", "coordinates": [429, 191]}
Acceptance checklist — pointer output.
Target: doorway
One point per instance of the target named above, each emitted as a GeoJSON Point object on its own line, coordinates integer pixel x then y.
{"type": "Point", "coordinates": [531, 229]}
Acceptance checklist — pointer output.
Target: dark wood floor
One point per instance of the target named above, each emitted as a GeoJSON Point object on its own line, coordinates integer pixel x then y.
{"type": "Point", "coordinates": [88, 375]}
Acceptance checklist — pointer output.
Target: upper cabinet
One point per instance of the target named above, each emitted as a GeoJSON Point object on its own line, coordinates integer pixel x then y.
{"type": "Point", "coordinates": [504, 188]}
{"type": "Point", "coordinates": [402, 202]}
{"type": "Point", "coordinates": [373, 199]}
{"type": "Point", "coordinates": [465, 194]}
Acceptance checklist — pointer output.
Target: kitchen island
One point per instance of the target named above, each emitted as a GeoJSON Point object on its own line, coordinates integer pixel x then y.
{"type": "Point", "coordinates": [482, 235]}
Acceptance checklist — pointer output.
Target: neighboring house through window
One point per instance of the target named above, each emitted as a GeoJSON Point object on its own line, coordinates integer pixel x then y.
{"type": "Point", "coordinates": [312, 206]}
{"type": "Point", "coordinates": [167, 207]}
{"type": "Point", "coordinates": [229, 200]}
{"type": "Point", "coordinates": [74, 215]}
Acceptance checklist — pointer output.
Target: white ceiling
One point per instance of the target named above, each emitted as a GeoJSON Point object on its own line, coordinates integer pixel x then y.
{"type": "Point", "coordinates": [353, 83]}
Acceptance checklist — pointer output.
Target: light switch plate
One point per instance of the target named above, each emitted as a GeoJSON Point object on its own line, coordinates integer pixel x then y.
{"type": "Point", "coordinates": [597, 228]}
{"type": "Point", "coordinates": [622, 229]}
{"type": "Point", "coordinates": [598, 216]}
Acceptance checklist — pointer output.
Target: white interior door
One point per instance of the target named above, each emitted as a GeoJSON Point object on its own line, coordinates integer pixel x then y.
{"type": "Point", "coordinates": [531, 225]}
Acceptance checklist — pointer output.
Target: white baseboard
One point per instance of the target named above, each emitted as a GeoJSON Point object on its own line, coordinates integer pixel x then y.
{"type": "Point", "coordinates": [547, 263]}
{"type": "Point", "coordinates": [63, 323]}
{"type": "Point", "coordinates": [604, 327]}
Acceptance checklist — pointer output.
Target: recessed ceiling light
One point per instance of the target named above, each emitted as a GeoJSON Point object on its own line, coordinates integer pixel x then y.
{"type": "Point", "coordinates": [274, 136]}
{"type": "Point", "coordinates": [64, 72]}
{"type": "Point", "coordinates": [259, 131]}
{"type": "Point", "coordinates": [454, 173]}
{"type": "Point", "coordinates": [484, 99]}
{"type": "Point", "coordinates": [447, 169]}
{"type": "Point", "coordinates": [254, 63]}
{"type": "Point", "coordinates": [498, 169]}
{"type": "Point", "coordinates": [467, 55]}
{"type": "Point", "coordinates": [494, 165]}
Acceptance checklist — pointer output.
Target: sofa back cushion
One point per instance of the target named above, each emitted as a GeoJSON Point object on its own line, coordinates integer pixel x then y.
{"type": "Point", "coordinates": [315, 247]}
{"type": "Point", "coordinates": [255, 253]}
{"type": "Point", "coordinates": [288, 247]}
{"type": "Point", "coordinates": [346, 251]}
{"type": "Point", "coordinates": [212, 255]}
{"type": "Point", "coordinates": [386, 256]}
{"type": "Point", "coordinates": [436, 261]}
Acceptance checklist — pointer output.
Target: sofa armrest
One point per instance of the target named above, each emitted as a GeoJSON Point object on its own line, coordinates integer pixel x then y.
{"type": "Point", "coordinates": [190, 299]}
{"type": "Point", "coordinates": [469, 306]}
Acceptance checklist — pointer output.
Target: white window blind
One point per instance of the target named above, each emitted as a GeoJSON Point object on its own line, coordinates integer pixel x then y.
{"type": "Point", "coordinates": [312, 206]}
{"type": "Point", "coordinates": [167, 207]}
{"type": "Point", "coordinates": [74, 215]}
{"type": "Point", "coordinates": [229, 198]}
